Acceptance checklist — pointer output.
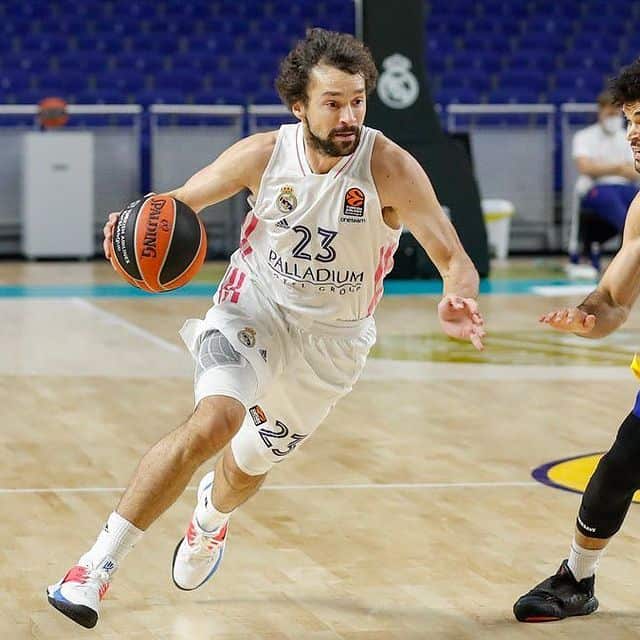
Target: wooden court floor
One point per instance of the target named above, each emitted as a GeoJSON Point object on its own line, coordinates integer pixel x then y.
{"type": "Point", "coordinates": [411, 514]}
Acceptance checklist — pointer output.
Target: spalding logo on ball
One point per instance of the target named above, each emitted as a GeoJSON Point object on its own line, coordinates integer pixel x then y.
{"type": "Point", "coordinates": [159, 244]}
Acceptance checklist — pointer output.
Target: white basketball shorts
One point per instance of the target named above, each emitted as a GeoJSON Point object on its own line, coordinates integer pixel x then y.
{"type": "Point", "coordinates": [288, 378]}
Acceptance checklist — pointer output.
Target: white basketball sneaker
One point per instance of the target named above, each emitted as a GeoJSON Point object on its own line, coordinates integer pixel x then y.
{"type": "Point", "coordinates": [79, 593]}
{"type": "Point", "coordinates": [199, 553]}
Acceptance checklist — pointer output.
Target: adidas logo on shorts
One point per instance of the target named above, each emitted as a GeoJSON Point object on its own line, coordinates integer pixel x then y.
{"type": "Point", "coordinates": [283, 224]}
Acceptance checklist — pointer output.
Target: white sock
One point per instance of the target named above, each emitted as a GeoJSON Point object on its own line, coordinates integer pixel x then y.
{"type": "Point", "coordinates": [207, 516]}
{"type": "Point", "coordinates": [583, 562]}
{"type": "Point", "coordinates": [115, 541]}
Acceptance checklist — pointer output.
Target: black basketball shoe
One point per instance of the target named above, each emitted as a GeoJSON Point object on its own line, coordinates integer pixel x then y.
{"type": "Point", "coordinates": [557, 597]}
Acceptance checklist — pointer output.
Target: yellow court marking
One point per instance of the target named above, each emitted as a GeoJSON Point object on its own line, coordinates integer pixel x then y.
{"type": "Point", "coordinates": [572, 474]}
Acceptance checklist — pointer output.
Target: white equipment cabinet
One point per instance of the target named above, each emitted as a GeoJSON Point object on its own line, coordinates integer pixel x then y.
{"type": "Point", "coordinates": [57, 194]}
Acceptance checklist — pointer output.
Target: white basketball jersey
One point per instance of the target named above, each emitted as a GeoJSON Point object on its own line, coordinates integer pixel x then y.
{"type": "Point", "coordinates": [315, 243]}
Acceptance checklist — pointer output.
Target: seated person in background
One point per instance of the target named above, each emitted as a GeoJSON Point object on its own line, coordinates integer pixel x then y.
{"type": "Point", "coordinates": [607, 182]}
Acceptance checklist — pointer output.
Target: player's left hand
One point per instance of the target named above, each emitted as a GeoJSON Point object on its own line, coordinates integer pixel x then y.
{"type": "Point", "coordinates": [460, 318]}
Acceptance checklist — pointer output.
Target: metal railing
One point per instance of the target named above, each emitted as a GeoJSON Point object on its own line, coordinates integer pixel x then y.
{"type": "Point", "coordinates": [513, 147]}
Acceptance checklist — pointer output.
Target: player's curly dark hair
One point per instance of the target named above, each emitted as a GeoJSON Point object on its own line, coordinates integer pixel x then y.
{"type": "Point", "coordinates": [340, 50]}
{"type": "Point", "coordinates": [625, 87]}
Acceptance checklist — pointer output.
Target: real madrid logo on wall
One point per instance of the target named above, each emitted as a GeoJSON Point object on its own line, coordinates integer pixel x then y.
{"type": "Point", "coordinates": [286, 200]}
{"type": "Point", "coordinates": [398, 87]}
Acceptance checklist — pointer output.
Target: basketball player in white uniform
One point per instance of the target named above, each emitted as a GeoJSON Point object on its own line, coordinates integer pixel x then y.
{"type": "Point", "coordinates": [292, 321]}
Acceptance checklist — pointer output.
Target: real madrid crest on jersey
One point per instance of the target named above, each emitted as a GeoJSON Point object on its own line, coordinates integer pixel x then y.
{"type": "Point", "coordinates": [286, 200]}
{"type": "Point", "coordinates": [247, 337]}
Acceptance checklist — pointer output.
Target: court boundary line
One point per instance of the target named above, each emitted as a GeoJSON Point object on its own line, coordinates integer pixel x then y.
{"type": "Point", "coordinates": [305, 487]}
{"type": "Point", "coordinates": [113, 318]}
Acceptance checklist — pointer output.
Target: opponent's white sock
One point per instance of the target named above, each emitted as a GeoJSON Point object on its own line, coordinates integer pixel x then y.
{"type": "Point", "coordinates": [115, 541]}
{"type": "Point", "coordinates": [583, 562]}
{"type": "Point", "coordinates": [207, 516]}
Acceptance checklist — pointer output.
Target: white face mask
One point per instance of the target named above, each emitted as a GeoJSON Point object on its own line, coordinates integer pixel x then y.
{"type": "Point", "coordinates": [612, 124]}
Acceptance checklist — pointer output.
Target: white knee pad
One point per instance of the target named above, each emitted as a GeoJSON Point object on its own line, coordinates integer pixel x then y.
{"type": "Point", "coordinates": [249, 451]}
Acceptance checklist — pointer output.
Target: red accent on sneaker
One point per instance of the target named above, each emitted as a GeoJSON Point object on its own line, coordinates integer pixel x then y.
{"type": "Point", "coordinates": [219, 537]}
{"type": "Point", "coordinates": [191, 533]}
{"type": "Point", "coordinates": [103, 589]}
{"type": "Point", "coordinates": [76, 574]}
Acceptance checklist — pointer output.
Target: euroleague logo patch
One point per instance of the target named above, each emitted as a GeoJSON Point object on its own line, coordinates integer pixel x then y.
{"type": "Point", "coordinates": [570, 474]}
{"type": "Point", "coordinates": [353, 210]}
{"type": "Point", "coordinates": [257, 415]}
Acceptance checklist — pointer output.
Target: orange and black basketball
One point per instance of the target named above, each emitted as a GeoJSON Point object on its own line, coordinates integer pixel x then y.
{"type": "Point", "coordinates": [354, 197]}
{"type": "Point", "coordinates": [52, 112]}
{"type": "Point", "coordinates": [159, 243]}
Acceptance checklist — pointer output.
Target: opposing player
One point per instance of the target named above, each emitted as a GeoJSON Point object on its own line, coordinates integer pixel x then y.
{"type": "Point", "coordinates": [570, 592]}
{"type": "Point", "coordinates": [292, 322]}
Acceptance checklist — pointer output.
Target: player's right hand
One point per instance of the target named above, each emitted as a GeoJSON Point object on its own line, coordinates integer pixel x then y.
{"type": "Point", "coordinates": [108, 233]}
{"type": "Point", "coordinates": [572, 319]}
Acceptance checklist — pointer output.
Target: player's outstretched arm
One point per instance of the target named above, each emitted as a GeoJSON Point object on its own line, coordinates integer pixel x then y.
{"type": "Point", "coordinates": [608, 306]}
{"type": "Point", "coordinates": [405, 190]}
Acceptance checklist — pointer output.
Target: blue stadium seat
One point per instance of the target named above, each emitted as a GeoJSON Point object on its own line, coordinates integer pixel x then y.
{"type": "Point", "coordinates": [541, 41]}
{"type": "Point", "coordinates": [148, 63]}
{"type": "Point", "coordinates": [33, 11]}
{"type": "Point", "coordinates": [71, 25]}
{"type": "Point", "coordinates": [90, 62]}
{"type": "Point", "coordinates": [472, 79]}
{"type": "Point", "coordinates": [598, 61]}
{"type": "Point", "coordinates": [579, 78]}
{"type": "Point", "coordinates": [555, 26]}
{"type": "Point", "coordinates": [160, 96]}
{"type": "Point", "coordinates": [100, 96]}
{"type": "Point", "coordinates": [201, 61]}
{"type": "Point", "coordinates": [66, 82]}
{"type": "Point", "coordinates": [184, 80]}
{"type": "Point", "coordinates": [123, 80]}
{"type": "Point", "coordinates": [162, 44]}
{"type": "Point", "coordinates": [574, 94]}
{"type": "Point", "coordinates": [512, 96]}
{"type": "Point", "coordinates": [106, 43]}
{"type": "Point", "coordinates": [532, 80]}
{"type": "Point", "coordinates": [13, 81]}
{"type": "Point", "coordinates": [31, 61]}
{"type": "Point", "coordinates": [600, 42]}
{"type": "Point", "coordinates": [214, 43]}
{"type": "Point", "coordinates": [505, 27]}
{"type": "Point", "coordinates": [461, 95]}
{"type": "Point", "coordinates": [488, 62]}
{"type": "Point", "coordinates": [603, 24]}
{"type": "Point", "coordinates": [481, 43]}
{"type": "Point", "coordinates": [501, 9]}
{"type": "Point", "coordinates": [436, 65]}
{"type": "Point", "coordinates": [31, 96]}
{"type": "Point", "coordinates": [535, 60]}
{"type": "Point", "coordinates": [47, 42]}
{"type": "Point", "coordinates": [230, 79]}
{"type": "Point", "coordinates": [15, 26]}
{"type": "Point", "coordinates": [266, 97]}
{"type": "Point", "coordinates": [219, 96]}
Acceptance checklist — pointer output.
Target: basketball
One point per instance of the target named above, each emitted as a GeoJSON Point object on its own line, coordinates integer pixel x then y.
{"type": "Point", "coordinates": [52, 113]}
{"type": "Point", "coordinates": [159, 244]}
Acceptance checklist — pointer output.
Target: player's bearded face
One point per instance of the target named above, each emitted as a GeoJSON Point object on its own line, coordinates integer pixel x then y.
{"type": "Point", "coordinates": [341, 141]}
{"type": "Point", "coordinates": [632, 114]}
